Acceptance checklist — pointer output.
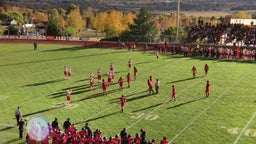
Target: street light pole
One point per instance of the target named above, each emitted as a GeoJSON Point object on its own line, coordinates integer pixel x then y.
{"type": "Point", "coordinates": [177, 21]}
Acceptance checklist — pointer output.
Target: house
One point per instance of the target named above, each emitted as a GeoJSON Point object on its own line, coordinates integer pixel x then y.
{"type": "Point", "coordinates": [9, 22]}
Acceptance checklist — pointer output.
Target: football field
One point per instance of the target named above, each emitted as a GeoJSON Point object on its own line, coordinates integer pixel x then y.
{"type": "Point", "coordinates": [34, 81]}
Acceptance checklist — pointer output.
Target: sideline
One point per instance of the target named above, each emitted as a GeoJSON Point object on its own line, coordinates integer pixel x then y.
{"type": "Point", "coordinates": [208, 107]}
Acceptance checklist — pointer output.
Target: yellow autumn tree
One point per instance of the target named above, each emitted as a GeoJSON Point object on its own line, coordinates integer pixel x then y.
{"type": "Point", "coordinates": [40, 17]}
{"type": "Point", "coordinates": [242, 15]}
{"type": "Point", "coordinates": [128, 19]}
{"type": "Point", "coordinates": [75, 22]}
{"type": "Point", "coordinates": [114, 25]}
{"type": "Point", "coordinates": [99, 22]}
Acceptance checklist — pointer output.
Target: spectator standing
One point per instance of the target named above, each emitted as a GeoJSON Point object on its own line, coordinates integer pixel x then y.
{"type": "Point", "coordinates": [67, 124]}
{"type": "Point", "coordinates": [55, 123]}
{"type": "Point", "coordinates": [35, 46]}
{"type": "Point", "coordinates": [18, 115]}
{"type": "Point", "coordinates": [123, 136]}
{"type": "Point", "coordinates": [21, 128]}
{"type": "Point", "coordinates": [88, 129]}
{"type": "Point", "coordinates": [143, 136]}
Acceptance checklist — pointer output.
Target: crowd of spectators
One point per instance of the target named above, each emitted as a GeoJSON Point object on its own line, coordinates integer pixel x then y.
{"type": "Point", "coordinates": [69, 134]}
{"type": "Point", "coordinates": [208, 51]}
{"type": "Point", "coordinates": [231, 33]}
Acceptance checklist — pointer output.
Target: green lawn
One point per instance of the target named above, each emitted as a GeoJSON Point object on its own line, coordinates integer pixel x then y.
{"type": "Point", "coordinates": [34, 81]}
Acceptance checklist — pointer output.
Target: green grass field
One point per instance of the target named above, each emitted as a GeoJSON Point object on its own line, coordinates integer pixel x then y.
{"type": "Point", "coordinates": [34, 81]}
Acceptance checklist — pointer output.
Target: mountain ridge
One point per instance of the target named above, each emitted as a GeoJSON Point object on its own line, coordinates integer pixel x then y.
{"type": "Point", "coordinates": [134, 5]}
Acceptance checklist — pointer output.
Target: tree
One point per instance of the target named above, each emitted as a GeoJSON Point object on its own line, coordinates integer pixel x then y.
{"type": "Point", "coordinates": [75, 22]}
{"type": "Point", "coordinates": [170, 33]}
{"type": "Point", "coordinates": [99, 22]}
{"type": "Point", "coordinates": [243, 15]}
{"type": "Point", "coordinates": [1, 28]}
{"type": "Point", "coordinates": [114, 25]}
{"type": "Point", "coordinates": [88, 15]}
{"type": "Point", "coordinates": [53, 26]}
{"type": "Point", "coordinates": [40, 17]}
{"type": "Point", "coordinates": [144, 27]}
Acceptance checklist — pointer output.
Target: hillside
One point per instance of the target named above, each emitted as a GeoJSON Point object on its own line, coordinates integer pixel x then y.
{"type": "Point", "coordinates": [152, 5]}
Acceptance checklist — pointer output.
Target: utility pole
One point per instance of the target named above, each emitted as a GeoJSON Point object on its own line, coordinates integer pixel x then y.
{"type": "Point", "coordinates": [177, 21]}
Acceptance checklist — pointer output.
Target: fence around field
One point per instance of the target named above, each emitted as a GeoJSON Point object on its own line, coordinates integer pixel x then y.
{"type": "Point", "coordinates": [208, 51]}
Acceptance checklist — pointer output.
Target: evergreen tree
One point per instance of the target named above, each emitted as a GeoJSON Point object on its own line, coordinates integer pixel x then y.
{"type": "Point", "coordinates": [53, 26]}
{"type": "Point", "coordinates": [144, 27]}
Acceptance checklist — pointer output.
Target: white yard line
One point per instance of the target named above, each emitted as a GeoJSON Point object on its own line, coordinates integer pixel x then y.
{"type": "Point", "coordinates": [208, 107]}
{"type": "Point", "coordinates": [7, 125]}
{"type": "Point", "coordinates": [160, 106]}
{"type": "Point", "coordinates": [239, 136]}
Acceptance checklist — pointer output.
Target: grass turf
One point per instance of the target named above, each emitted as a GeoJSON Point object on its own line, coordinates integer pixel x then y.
{"type": "Point", "coordinates": [34, 81]}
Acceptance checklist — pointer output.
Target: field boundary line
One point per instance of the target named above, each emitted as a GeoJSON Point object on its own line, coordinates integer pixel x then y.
{"type": "Point", "coordinates": [208, 107]}
{"type": "Point", "coordinates": [239, 136]}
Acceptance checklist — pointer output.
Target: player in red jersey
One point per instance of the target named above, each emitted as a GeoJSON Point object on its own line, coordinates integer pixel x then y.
{"type": "Point", "coordinates": [207, 88]}
{"type": "Point", "coordinates": [129, 63]}
{"type": "Point", "coordinates": [65, 72]}
{"type": "Point", "coordinates": [112, 75]}
{"type": "Point", "coordinates": [104, 86]}
{"type": "Point", "coordinates": [99, 73]}
{"type": "Point", "coordinates": [135, 71]}
{"type": "Point", "coordinates": [111, 66]}
{"type": "Point", "coordinates": [75, 138]}
{"type": "Point", "coordinates": [121, 83]}
{"type": "Point", "coordinates": [137, 139]}
{"type": "Point", "coordinates": [128, 79]}
{"type": "Point", "coordinates": [109, 78]}
{"type": "Point", "coordinates": [91, 80]}
{"type": "Point", "coordinates": [164, 141]}
{"type": "Point", "coordinates": [173, 93]}
{"type": "Point", "coordinates": [69, 71]}
{"type": "Point", "coordinates": [150, 86]}
{"type": "Point", "coordinates": [130, 139]}
{"type": "Point", "coordinates": [116, 140]}
{"type": "Point", "coordinates": [206, 69]}
{"type": "Point", "coordinates": [151, 79]}
{"type": "Point", "coordinates": [123, 102]}
{"type": "Point", "coordinates": [69, 91]}
{"type": "Point", "coordinates": [194, 71]}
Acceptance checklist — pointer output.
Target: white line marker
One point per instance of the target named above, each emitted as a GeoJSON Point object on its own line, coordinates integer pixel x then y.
{"type": "Point", "coordinates": [158, 107]}
{"type": "Point", "coordinates": [245, 128]}
{"type": "Point", "coordinates": [209, 106]}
